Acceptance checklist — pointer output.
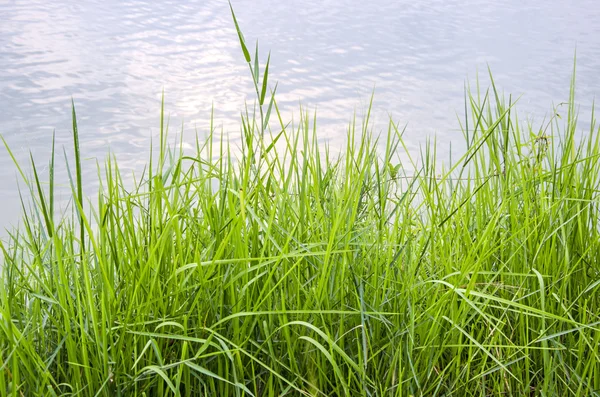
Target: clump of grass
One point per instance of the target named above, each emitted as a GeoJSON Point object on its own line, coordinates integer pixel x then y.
{"type": "Point", "coordinates": [291, 271]}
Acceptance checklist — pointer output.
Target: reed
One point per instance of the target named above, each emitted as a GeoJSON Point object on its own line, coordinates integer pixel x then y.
{"type": "Point", "coordinates": [287, 270]}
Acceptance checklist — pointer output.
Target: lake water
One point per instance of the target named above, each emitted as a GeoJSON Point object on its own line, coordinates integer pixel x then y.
{"type": "Point", "coordinates": [114, 58]}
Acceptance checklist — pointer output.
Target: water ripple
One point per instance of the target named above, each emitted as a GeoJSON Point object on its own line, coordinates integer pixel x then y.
{"type": "Point", "coordinates": [115, 58]}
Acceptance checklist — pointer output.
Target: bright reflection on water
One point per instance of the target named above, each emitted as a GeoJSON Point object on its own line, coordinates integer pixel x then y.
{"type": "Point", "coordinates": [115, 58]}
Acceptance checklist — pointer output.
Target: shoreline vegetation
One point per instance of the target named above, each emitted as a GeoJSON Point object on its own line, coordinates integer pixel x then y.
{"type": "Point", "coordinates": [289, 271]}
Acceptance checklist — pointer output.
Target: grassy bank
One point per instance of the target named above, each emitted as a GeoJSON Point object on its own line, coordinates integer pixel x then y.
{"type": "Point", "coordinates": [296, 272]}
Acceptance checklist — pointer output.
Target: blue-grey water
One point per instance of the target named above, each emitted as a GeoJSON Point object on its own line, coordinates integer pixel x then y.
{"type": "Point", "coordinates": [114, 58]}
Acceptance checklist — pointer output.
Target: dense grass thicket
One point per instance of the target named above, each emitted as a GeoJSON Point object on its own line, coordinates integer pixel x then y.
{"type": "Point", "coordinates": [287, 270]}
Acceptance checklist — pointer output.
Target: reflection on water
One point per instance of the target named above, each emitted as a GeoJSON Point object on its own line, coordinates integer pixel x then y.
{"type": "Point", "coordinates": [114, 58]}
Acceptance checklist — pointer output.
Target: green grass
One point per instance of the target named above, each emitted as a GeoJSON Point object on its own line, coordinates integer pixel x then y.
{"type": "Point", "coordinates": [286, 270]}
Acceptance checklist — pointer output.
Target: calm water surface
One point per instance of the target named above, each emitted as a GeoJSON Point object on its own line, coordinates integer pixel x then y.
{"type": "Point", "coordinates": [115, 58]}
